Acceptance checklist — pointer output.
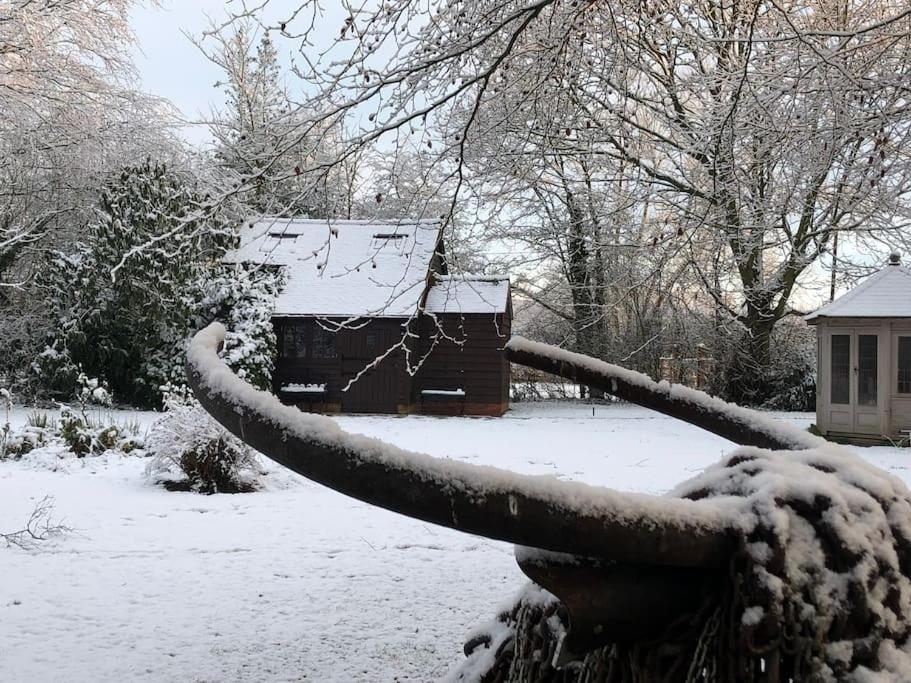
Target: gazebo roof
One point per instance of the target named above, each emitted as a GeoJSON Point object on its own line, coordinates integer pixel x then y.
{"type": "Point", "coordinates": [885, 294]}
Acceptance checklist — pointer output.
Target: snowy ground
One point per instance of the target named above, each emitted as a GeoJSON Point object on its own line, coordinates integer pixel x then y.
{"type": "Point", "coordinates": [297, 582]}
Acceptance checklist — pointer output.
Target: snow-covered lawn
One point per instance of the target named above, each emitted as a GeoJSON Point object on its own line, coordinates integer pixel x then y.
{"type": "Point", "coordinates": [297, 582]}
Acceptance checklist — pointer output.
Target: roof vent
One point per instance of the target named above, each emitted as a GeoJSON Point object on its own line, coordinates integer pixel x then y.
{"type": "Point", "coordinates": [387, 240]}
{"type": "Point", "coordinates": [895, 259]}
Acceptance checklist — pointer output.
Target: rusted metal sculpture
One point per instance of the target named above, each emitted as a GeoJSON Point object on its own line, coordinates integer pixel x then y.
{"type": "Point", "coordinates": [701, 585]}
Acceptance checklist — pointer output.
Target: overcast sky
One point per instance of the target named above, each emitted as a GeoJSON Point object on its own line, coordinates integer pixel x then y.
{"type": "Point", "coordinates": [170, 65]}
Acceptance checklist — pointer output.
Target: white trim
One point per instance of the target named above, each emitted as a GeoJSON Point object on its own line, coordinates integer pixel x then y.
{"type": "Point", "coordinates": [443, 392]}
{"type": "Point", "coordinates": [295, 388]}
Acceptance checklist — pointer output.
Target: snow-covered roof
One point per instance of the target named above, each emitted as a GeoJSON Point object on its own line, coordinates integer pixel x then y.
{"type": "Point", "coordinates": [468, 294]}
{"type": "Point", "coordinates": [343, 268]}
{"type": "Point", "coordinates": [885, 294]}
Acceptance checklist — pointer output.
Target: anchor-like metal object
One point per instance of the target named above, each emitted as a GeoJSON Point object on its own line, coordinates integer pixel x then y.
{"type": "Point", "coordinates": [623, 565]}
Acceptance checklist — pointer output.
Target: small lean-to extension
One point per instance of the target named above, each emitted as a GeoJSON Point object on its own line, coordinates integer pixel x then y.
{"type": "Point", "coordinates": [741, 425]}
{"type": "Point", "coordinates": [541, 512]}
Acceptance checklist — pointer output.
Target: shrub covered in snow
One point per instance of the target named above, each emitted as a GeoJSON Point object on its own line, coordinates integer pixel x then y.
{"type": "Point", "coordinates": [243, 299]}
{"type": "Point", "coordinates": [190, 451]}
{"type": "Point", "coordinates": [85, 434]}
{"type": "Point", "coordinates": [80, 430]}
{"type": "Point", "coordinates": [793, 374]}
{"type": "Point", "coordinates": [6, 402]}
{"type": "Point", "coordinates": [786, 382]}
{"type": "Point", "coordinates": [125, 295]}
{"type": "Point", "coordinates": [38, 432]}
{"type": "Point", "coordinates": [147, 278]}
{"type": "Point", "coordinates": [74, 433]}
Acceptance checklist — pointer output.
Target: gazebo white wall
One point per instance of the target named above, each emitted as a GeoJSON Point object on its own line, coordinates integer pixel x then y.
{"type": "Point", "coordinates": [864, 358]}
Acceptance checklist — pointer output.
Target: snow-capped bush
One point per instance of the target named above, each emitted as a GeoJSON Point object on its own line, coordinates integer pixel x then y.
{"type": "Point", "coordinates": [787, 381]}
{"type": "Point", "coordinates": [39, 431]}
{"type": "Point", "coordinates": [87, 435]}
{"type": "Point", "coordinates": [53, 371]}
{"type": "Point", "coordinates": [248, 299]}
{"type": "Point", "coordinates": [80, 430]}
{"type": "Point", "coordinates": [126, 296]}
{"type": "Point", "coordinates": [792, 383]}
{"type": "Point", "coordinates": [243, 299]}
{"type": "Point", "coordinates": [74, 433]}
{"type": "Point", "coordinates": [190, 451]}
{"type": "Point", "coordinates": [6, 400]}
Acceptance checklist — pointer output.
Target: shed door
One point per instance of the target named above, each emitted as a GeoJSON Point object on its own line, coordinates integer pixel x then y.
{"type": "Point", "coordinates": [853, 372]}
{"type": "Point", "coordinates": [841, 381]}
{"type": "Point", "coordinates": [376, 390]}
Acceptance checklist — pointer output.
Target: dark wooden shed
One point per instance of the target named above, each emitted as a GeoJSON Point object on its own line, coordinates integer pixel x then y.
{"type": "Point", "coordinates": [368, 321]}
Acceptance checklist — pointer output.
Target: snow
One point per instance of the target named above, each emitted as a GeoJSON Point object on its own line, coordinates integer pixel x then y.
{"type": "Point", "coordinates": [885, 294]}
{"type": "Point", "coordinates": [296, 388]}
{"type": "Point", "coordinates": [470, 294]}
{"type": "Point", "coordinates": [752, 616]}
{"type": "Point", "coordinates": [343, 268]}
{"type": "Point", "coordinates": [443, 392]}
{"type": "Point", "coordinates": [349, 268]}
{"type": "Point", "coordinates": [784, 433]}
{"type": "Point", "coordinates": [298, 580]}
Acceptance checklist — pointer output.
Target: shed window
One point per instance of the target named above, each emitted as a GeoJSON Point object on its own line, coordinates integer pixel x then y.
{"type": "Point", "coordinates": [323, 343]}
{"type": "Point", "coordinates": [841, 369]}
{"type": "Point", "coordinates": [294, 341]}
{"type": "Point", "coordinates": [904, 365]}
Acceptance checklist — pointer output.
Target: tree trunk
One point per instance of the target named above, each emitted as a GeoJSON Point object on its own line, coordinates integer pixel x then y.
{"type": "Point", "coordinates": [750, 372]}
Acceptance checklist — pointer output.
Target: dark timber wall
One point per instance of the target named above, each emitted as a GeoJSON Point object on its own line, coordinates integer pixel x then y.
{"type": "Point", "coordinates": [472, 361]}
{"type": "Point", "coordinates": [470, 372]}
{"type": "Point", "coordinates": [318, 356]}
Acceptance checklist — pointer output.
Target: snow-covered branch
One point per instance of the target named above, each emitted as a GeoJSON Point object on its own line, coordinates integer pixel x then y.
{"type": "Point", "coordinates": [741, 425]}
{"type": "Point", "coordinates": [39, 527]}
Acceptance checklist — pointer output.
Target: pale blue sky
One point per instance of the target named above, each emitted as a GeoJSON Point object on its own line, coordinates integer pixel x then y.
{"type": "Point", "coordinates": [171, 66]}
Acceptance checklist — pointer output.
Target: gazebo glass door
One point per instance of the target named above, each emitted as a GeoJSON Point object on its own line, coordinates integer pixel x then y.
{"type": "Point", "coordinates": [854, 381]}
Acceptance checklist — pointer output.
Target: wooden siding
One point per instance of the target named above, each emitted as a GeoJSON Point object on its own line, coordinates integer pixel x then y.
{"type": "Point", "coordinates": [892, 411]}
{"type": "Point", "coordinates": [473, 361]}
{"type": "Point", "coordinates": [384, 389]}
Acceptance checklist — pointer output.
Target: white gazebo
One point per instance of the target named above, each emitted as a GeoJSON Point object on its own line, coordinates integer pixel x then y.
{"type": "Point", "coordinates": [863, 389]}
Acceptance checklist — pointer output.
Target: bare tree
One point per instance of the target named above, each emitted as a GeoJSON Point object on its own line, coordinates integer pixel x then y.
{"type": "Point", "coordinates": [759, 130]}
{"type": "Point", "coordinates": [71, 115]}
{"type": "Point", "coordinates": [266, 161]}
